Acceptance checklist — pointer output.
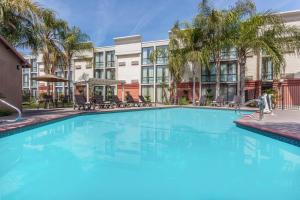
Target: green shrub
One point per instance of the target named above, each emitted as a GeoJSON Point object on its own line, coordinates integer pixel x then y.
{"type": "Point", "coordinates": [183, 101]}
{"type": "Point", "coordinates": [4, 113]}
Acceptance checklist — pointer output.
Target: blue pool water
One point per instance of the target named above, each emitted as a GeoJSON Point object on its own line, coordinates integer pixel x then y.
{"type": "Point", "coordinates": [167, 154]}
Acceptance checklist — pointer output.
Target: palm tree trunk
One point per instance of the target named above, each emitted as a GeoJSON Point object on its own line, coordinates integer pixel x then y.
{"type": "Point", "coordinates": [200, 85]}
{"type": "Point", "coordinates": [69, 79]}
{"type": "Point", "coordinates": [242, 81]}
{"type": "Point", "coordinates": [194, 86]}
{"type": "Point", "coordinates": [175, 93]}
{"type": "Point", "coordinates": [238, 85]}
{"type": "Point", "coordinates": [218, 78]}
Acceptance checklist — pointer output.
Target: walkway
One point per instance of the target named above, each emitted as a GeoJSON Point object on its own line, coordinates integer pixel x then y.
{"type": "Point", "coordinates": [283, 124]}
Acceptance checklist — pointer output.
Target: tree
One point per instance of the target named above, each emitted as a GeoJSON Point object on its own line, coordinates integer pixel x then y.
{"type": "Point", "coordinates": [18, 22]}
{"type": "Point", "coordinates": [73, 42]}
{"type": "Point", "coordinates": [191, 41]}
{"type": "Point", "coordinates": [257, 32]}
{"type": "Point", "coordinates": [50, 40]}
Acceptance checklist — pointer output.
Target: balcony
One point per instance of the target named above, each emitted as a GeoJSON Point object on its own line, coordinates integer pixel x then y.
{"type": "Point", "coordinates": [99, 65]}
{"type": "Point", "coordinates": [110, 64]}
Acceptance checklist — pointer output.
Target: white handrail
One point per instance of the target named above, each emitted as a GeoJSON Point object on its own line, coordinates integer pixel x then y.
{"type": "Point", "coordinates": [14, 107]}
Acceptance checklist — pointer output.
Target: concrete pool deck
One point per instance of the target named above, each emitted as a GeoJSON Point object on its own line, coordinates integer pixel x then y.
{"type": "Point", "coordinates": [283, 125]}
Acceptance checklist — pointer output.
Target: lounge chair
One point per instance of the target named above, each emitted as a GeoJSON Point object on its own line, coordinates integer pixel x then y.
{"type": "Point", "coordinates": [202, 101]}
{"type": "Point", "coordinates": [116, 101]}
{"type": "Point", "coordinates": [235, 102]}
{"type": "Point", "coordinates": [218, 102]}
{"type": "Point", "coordinates": [98, 101]}
{"type": "Point", "coordinates": [144, 101]}
{"type": "Point", "coordinates": [132, 102]}
{"type": "Point", "coordinates": [80, 102]}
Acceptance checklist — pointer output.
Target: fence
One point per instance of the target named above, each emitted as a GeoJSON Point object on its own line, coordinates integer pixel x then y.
{"type": "Point", "coordinates": [289, 94]}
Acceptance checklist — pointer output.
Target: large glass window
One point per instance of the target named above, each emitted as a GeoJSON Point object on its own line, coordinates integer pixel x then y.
{"type": "Point", "coordinates": [228, 72]}
{"type": "Point", "coordinates": [148, 75]}
{"type": "Point", "coordinates": [229, 54]}
{"type": "Point", "coordinates": [99, 73]}
{"type": "Point", "coordinates": [66, 74]}
{"type": "Point", "coordinates": [267, 69]}
{"type": "Point", "coordinates": [59, 74]}
{"type": "Point", "coordinates": [110, 59]}
{"type": "Point", "coordinates": [148, 91]}
{"type": "Point", "coordinates": [162, 74]}
{"type": "Point", "coordinates": [25, 80]}
{"type": "Point", "coordinates": [162, 94]}
{"type": "Point", "coordinates": [209, 74]}
{"type": "Point", "coordinates": [99, 90]}
{"type": "Point", "coordinates": [110, 74]}
{"type": "Point", "coordinates": [99, 60]}
{"type": "Point", "coordinates": [162, 55]}
{"type": "Point", "coordinates": [33, 65]}
{"type": "Point", "coordinates": [110, 91]}
{"type": "Point", "coordinates": [228, 91]}
{"type": "Point", "coordinates": [146, 55]}
{"type": "Point", "coordinates": [33, 82]}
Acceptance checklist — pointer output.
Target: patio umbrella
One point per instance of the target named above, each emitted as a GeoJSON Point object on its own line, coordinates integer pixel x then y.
{"type": "Point", "coordinates": [49, 78]}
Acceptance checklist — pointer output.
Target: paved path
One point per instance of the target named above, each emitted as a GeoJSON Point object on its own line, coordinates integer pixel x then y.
{"type": "Point", "coordinates": [284, 123]}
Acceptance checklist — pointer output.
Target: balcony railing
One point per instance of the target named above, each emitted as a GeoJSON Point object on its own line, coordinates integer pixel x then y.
{"type": "Point", "coordinates": [110, 64]}
{"type": "Point", "coordinates": [99, 65]}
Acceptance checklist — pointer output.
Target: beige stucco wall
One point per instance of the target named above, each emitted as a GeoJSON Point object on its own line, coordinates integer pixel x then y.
{"type": "Point", "coordinates": [10, 77]}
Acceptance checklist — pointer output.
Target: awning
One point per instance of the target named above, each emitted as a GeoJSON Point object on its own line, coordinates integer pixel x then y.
{"type": "Point", "coordinates": [49, 78]}
{"type": "Point", "coordinates": [97, 81]}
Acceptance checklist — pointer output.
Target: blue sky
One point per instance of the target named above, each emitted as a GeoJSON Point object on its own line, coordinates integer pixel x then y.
{"type": "Point", "coordinates": [103, 20]}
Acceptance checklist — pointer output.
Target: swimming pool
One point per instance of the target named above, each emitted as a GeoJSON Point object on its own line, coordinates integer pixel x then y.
{"type": "Point", "coordinates": [177, 153]}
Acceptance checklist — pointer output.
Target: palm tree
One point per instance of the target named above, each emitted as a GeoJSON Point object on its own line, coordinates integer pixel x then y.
{"type": "Point", "coordinates": [50, 40]}
{"type": "Point", "coordinates": [192, 43]}
{"type": "Point", "coordinates": [73, 42]}
{"type": "Point", "coordinates": [18, 22]}
{"type": "Point", "coordinates": [256, 32]}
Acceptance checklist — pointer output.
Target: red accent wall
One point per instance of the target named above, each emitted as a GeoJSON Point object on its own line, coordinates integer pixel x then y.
{"type": "Point", "coordinates": [132, 88]}
{"type": "Point", "coordinates": [188, 86]}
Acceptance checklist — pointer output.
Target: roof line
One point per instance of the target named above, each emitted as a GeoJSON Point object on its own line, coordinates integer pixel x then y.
{"type": "Point", "coordinates": [13, 50]}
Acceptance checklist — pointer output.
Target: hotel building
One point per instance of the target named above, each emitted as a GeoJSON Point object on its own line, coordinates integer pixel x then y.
{"type": "Point", "coordinates": [128, 61]}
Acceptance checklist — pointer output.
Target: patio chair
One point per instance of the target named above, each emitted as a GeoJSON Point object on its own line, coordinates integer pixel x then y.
{"type": "Point", "coordinates": [236, 101]}
{"type": "Point", "coordinates": [218, 102]}
{"type": "Point", "coordinates": [132, 102]}
{"type": "Point", "coordinates": [144, 101]}
{"type": "Point", "coordinates": [80, 102]}
{"type": "Point", "coordinates": [202, 101]}
{"type": "Point", "coordinates": [98, 101]}
{"type": "Point", "coordinates": [116, 101]}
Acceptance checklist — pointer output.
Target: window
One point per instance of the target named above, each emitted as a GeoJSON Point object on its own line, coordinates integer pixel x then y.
{"type": "Point", "coordinates": [229, 54]}
{"type": "Point", "coordinates": [148, 75]}
{"type": "Point", "coordinates": [162, 94]}
{"type": "Point", "coordinates": [228, 91]}
{"type": "Point", "coordinates": [99, 60]}
{"type": "Point", "coordinates": [148, 90]}
{"type": "Point", "coordinates": [99, 90]}
{"type": "Point", "coordinates": [33, 65]}
{"type": "Point", "coordinates": [58, 91]}
{"type": "Point", "coordinates": [34, 93]}
{"type": "Point", "coordinates": [110, 59]}
{"type": "Point", "coordinates": [33, 82]}
{"type": "Point", "coordinates": [267, 69]}
{"type": "Point", "coordinates": [209, 75]}
{"type": "Point", "coordinates": [59, 74]}
{"type": "Point", "coordinates": [162, 74]}
{"type": "Point", "coordinates": [146, 55]}
{"type": "Point", "coordinates": [99, 73]}
{"type": "Point", "coordinates": [162, 55]}
{"type": "Point", "coordinates": [25, 70]}
{"type": "Point", "coordinates": [111, 74]}
{"type": "Point", "coordinates": [25, 80]}
{"type": "Point", "coordinates": [228, 72]}
{"type": "Point", "coordinates": [66, 75]}
{"type": "Point", "coordinates": [110, 91]}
